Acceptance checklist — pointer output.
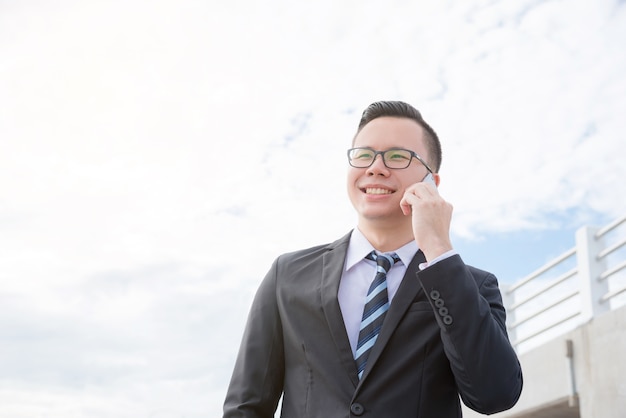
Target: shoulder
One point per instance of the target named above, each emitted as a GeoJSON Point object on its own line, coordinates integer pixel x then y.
{"type": "Point", "coordinates": [315, 253]}
{"type": "Point", "coordinates": [479, 275]}
{"type": "Point", "coordinates": [311, 262]}
{"type": "Point", "coordinates": [486, 282]}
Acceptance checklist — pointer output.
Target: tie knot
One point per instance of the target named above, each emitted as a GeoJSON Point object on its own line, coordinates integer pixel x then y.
{"type": "Point", "coordinates": [386, 260]}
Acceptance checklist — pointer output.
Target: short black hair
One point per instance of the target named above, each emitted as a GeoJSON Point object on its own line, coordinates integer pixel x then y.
{"type": "Point", "coordinates": [400, 109]}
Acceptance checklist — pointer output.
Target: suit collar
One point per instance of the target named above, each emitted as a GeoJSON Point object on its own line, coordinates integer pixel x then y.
{"type": "Point", "coordinates": [334, 261]}
{"type": "Point", "coordinates": [359, 247]}
{"type": "Point", "coordinates": [333, 264]}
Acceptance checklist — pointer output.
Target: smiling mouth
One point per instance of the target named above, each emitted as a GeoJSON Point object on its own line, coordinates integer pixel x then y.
{"type": "Point", "coordinates": [376, 190]}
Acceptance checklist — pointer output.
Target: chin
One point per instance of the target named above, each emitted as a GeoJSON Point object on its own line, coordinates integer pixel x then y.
{"type": "Point", "coordinates": [379, 216]}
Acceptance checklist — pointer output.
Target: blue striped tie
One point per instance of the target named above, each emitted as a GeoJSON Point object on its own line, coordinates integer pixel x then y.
{"type": "Point", "coordinates": [376, 306]}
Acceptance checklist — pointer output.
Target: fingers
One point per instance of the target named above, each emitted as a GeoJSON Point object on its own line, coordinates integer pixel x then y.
{"type": "Point", "coordinates": [414, 193]}
{"type": "Point", "coordinates": [405, 206]}
{"type": "Point", "coordinates": [431, 217]}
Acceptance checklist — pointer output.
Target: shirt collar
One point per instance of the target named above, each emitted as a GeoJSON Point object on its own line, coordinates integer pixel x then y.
{"type": "Point", "coordinates": [359, 247]}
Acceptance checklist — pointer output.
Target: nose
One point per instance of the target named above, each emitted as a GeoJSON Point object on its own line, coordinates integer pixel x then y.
{"type": "Point", "coordinates": [378, 167]}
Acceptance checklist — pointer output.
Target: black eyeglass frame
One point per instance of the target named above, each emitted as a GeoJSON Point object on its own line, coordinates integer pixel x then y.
{"type": "Point", "coordinates": [382, 155]}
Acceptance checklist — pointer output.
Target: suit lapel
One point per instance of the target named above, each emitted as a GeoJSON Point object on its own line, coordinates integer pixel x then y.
{"type": "Point", "coordinates": [408, 290]}
{"type": "Point", "coordinates": [333, 262]}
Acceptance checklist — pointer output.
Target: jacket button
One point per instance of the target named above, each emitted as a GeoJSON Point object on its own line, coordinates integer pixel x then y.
{"type": "Point", "coordinates": [357, 409]}
{"type": "Point", "coordinates": [434, 295]}
{"type": "Point", "coordinates": [447, 320]}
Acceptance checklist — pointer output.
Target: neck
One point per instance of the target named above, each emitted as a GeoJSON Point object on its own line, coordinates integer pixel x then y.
{"type": "Point", "coordinates": [386, 237]}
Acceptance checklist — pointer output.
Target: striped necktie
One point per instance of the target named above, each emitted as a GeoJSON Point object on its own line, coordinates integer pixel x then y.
{"type": "Point", "coordinates": [376, 306]}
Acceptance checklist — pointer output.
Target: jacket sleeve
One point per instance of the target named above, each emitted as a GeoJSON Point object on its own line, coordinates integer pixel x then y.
{"type": "Point", "coordinates": [257, 381]}
{"type": "Point", "coordinates": [468, 307]}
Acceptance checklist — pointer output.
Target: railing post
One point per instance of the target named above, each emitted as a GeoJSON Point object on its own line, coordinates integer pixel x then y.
{"type": "Point", "coordinates": [589, 270]}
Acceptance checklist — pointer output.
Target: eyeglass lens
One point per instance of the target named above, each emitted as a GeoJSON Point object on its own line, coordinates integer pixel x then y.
{"type": "Point", "coordinates": [393, 158]}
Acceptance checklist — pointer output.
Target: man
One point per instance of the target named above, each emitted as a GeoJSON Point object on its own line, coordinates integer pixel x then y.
{"type": "Point", "coordinates": [311, 335]}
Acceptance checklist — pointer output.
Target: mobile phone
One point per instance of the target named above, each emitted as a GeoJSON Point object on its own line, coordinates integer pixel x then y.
{"type": "Point", "coordinates": [429, 179]}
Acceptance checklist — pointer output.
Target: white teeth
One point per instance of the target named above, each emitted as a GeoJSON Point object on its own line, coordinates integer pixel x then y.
{"type": "Point", "coordinates": [372, 190]}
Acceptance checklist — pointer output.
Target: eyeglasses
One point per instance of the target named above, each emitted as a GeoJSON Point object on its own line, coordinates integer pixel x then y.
{"type": "Point", "coordinates": [394, 158]}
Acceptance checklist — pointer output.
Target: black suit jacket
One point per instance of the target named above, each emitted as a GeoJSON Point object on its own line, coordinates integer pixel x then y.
{"type": "Point", "coordinates": [444, 336]}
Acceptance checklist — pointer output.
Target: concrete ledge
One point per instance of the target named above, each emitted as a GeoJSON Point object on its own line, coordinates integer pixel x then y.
{"type": "Point", "coordinates": [584, 380]}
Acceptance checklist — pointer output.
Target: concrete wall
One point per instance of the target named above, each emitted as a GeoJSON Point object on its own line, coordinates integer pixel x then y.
{"type": "Point", "coordinates": [592, 385]}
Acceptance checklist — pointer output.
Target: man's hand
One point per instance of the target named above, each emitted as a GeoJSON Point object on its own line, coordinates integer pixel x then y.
{"type": "Point", "coordinates": [431, 217]}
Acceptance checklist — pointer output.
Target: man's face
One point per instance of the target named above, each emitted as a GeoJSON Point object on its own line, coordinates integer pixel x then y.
{"type": "Point", "coordinates": [376, 191]}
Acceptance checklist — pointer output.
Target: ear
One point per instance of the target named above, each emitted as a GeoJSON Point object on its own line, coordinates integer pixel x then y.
{"type": "Point", "coordinates": [437, 178]}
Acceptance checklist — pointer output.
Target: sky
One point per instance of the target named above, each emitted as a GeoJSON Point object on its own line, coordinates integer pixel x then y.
{"type": "Point", "coordinates": [156, 156]}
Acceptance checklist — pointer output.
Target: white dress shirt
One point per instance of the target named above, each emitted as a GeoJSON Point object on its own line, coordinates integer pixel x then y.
{"type": "Point", "coordinates": [358, 274]}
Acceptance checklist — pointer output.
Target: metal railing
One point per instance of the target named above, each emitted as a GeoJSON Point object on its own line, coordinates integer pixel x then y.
{"type": "Point", "coordinates": [583, 282]}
